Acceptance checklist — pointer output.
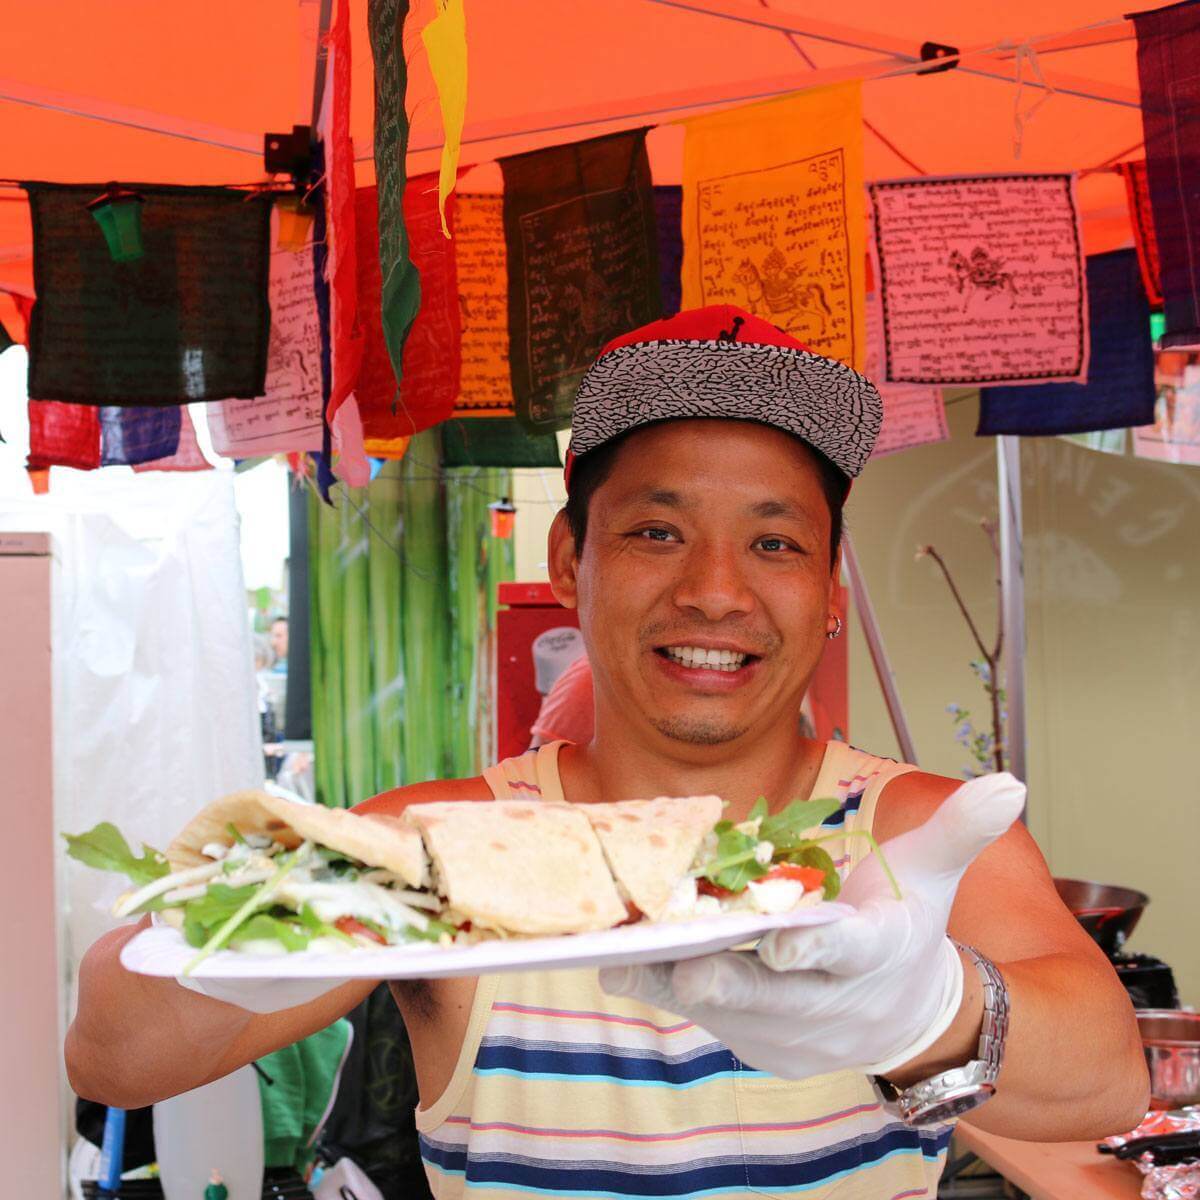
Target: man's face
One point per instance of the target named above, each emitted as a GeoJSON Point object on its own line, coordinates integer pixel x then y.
{"type": "Point", "coordinates": [279, 638]}
{"type": "Point", "coordinates": [704, 587]}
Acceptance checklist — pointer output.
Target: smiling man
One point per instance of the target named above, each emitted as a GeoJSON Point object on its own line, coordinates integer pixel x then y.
{"type": "Point", "coordinates": [710, 458]}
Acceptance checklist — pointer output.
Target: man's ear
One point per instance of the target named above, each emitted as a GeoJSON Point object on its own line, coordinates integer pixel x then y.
{"type": "Point", "coordinates": [562, 562]}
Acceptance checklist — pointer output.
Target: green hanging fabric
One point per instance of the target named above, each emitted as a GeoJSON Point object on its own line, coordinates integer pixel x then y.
{"type": "Point", "coordinates": [402, 579]}
{"type": "Point", "coordinates": [401, 295]}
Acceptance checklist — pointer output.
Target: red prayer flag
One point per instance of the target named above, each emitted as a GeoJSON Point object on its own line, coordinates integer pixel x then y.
{"type": "Point", "coordinates": [63, 435]}
{"type": "Point", "coordinates": [432, 361]}
{"type": "Point", "coordinates": [345, 331]}
{"type": "Point", "coordinates": [1137, 189]}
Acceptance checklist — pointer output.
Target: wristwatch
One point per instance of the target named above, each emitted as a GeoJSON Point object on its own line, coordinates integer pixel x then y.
{"type": "Point", "coordinates": [950, 1094]}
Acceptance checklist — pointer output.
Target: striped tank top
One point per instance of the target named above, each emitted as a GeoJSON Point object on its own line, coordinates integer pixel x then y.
{"type": "Point", "coordinates": [562, 1089]}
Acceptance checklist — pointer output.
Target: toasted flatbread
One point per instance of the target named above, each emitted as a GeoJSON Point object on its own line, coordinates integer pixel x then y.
{"type": "Point", "coordinates": [650, 844]}
{"type": "Point", "coordinates": [373, 838]}
{"type": "Point", "coordinates": [520, 866]}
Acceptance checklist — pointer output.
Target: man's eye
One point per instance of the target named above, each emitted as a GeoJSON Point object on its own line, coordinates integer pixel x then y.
{"type": "Point", "coordinates": [655, 534]}
{"type": "Point", "coordinates": [774, 545]}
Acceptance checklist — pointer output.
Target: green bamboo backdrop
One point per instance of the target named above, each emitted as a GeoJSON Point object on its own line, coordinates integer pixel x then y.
{"type": "Point", "coordinates": [402, 578]}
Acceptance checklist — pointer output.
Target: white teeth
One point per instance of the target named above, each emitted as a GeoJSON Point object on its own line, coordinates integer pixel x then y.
{"type": "Point", "coordinates": [709, 660]}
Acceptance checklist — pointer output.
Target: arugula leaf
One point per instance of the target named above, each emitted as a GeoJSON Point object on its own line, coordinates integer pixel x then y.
{"type": "Point", "coordinates": [431, 934]}
{"type": "Point", "coordinates": [206, 913]}
{"type": "Point", "coordinates": [105, 849]}
{"type": "Point", "coordinates": [235, 833]}
{"type": "Point", "coordinates": [785, 830]}
{"type": "Point", "coordinates": [292, 934]}
{"type": "Point", "coordinates": [335, 858]}
{"type": "Point", "coordinates": [759, 810]}
{"type": "Point", "coordinates": [734, 865]}
{"type": "Point", "coordinates": [817, 856]}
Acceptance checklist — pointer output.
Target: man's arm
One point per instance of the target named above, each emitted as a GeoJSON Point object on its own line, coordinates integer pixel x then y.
{"type": "Point", "coordinates": [136, 1039]}
{"type": "Point", "coordinates": [1066, 1000]}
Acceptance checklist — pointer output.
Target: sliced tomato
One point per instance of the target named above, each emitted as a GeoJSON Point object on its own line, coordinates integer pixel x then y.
{"type": "Point", "coordinates": [351, 926]}
{"type": "Point", "coordinates": [813, 878]}
{"type": "Point", "coordinates": [633, 914]}
{"type": "Point", "coordinates": [706, 887]}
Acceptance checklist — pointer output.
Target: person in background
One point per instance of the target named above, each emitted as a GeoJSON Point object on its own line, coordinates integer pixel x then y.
{"type": "Point", "coordinates": [279, 643]}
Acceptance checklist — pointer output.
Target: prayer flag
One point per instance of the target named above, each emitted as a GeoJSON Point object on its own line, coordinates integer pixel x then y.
{"type": "Point", "coordinates": [582, 264]}
{"type": "Point", "coordinates": [913, 414]}
{"type": "Point", "coordinates": [668, 218]}
{"type": "Point", "coordinates": [982, 279]}
{"type": "Point", "coordinates": [400, 286]}
{"type": "Point", "coordinates": [287, 416]}
{"type": "Point", "coordinates": [63, 435]}
{"type": "Point", "coordinates": [186, 321]}
{"type": "Point", "coordinates": [1168, 44]}
{"type": "Point", "coordinates": [1141, 216]}
{"type": "Point", "coordinates": [188, 457]}
{"type": "Point", "coordinates": [137, 435]}
{"type": "Point", "coordinates": [5, 339]}
{"type": "Point", "coordinates": [485, 386]}
{"type": "Point", "coordinates": [429, 383]}
{"type": "Point", "coordinates": [1119, 391]}
{"type": "Point", "coordinates": [345, 333]}
{"type": "Point", "coordinates": [445, 40]}
{"type": "Point", "coordinates": [496, 442]}
{"type": "Point", "coordinates": [773, 216]}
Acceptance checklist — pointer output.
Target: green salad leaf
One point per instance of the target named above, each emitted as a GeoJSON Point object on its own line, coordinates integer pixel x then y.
{"type": "Point", "coordinates": [785, 829]}
{"type": "Point", "coordinates": [105, 849]}
{"type": "Point", "coordinates": [817, 856]}
{"type": "Point", "coordinates": [205, 914]}
{"type": "Point", "coordinates": [734, 864]}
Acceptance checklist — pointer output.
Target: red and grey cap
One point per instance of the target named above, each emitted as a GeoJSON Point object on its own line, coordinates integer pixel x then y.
{"type": "Point", "coordinates": [724, 362]}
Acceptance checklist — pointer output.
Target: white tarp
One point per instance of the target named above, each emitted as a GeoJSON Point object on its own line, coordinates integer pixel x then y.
{"type": "Point", "coordinates": [155, 696]}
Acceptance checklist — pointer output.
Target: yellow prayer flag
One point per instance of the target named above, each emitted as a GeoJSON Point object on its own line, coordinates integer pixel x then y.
{"type": "Point", "coordinates": [392, 448]}
{"type": "Point", "coordinates": [445, 39]}
{"type": "Point", "coordinates": [773, 217]}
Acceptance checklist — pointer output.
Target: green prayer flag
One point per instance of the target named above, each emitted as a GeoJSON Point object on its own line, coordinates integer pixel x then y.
{"type": "Point", "coordinates": [401, 294]}
{"type": "Point", "coordinates": [496, 442]}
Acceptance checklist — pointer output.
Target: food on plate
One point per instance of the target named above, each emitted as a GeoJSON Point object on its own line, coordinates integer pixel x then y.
{"type": "Point", "coordinates": [262, 874]}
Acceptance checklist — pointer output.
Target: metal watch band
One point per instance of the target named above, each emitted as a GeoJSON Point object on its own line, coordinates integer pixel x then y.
{"type": "Point", "coordinates": [954, 1092]}
{"type": "Point", "coordinates": [994, 1032]}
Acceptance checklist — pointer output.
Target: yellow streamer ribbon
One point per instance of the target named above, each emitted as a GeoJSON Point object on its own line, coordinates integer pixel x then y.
{"type": "Point", "coordinates": [445, 39]}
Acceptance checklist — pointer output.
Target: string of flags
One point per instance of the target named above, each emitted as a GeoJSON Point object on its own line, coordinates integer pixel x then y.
{"type": "Point", "coordinates": [924, 283]}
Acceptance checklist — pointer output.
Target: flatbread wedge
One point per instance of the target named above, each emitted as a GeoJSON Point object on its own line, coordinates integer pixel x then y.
{"type": "Point", "coordinates": [372, 838]}
{"type": "Point", "coordinates": [529, 867]}
{"type": "Point", "coordinates": [650, 844]}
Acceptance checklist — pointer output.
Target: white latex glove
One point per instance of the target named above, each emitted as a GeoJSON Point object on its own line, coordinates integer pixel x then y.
{"type": "Point", "coordinates": [867, 993]}
{"type": "Point", "coordinates": [260, 995]}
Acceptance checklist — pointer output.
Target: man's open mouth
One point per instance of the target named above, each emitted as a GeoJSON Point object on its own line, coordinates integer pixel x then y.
{"type": "Point", "coordinates": [704, 659]}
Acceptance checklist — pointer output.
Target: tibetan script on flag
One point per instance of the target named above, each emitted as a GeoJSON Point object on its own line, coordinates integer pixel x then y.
{"type": "Point", "coordinates": [982, 279]}
{"type": "Point", "coordinates": [484, 384]}
{"type": "Point", "coordinates": [288, 415]}
{"type": "Point", "coordinates": [582, 264]}
{"type": "Point", "coordinates": [773, 216]}
{"type": "Point", "coordinates": [913, 414]}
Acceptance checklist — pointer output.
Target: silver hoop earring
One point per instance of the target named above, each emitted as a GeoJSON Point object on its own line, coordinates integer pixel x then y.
{"type": "Point", "coordinates": [837, 629]}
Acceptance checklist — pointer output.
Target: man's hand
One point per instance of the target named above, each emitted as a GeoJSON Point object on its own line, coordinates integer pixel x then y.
{"type": "Point", "coordinates": [867, 993]}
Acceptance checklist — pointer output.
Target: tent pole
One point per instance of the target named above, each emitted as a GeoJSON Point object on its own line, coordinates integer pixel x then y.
{"type": "Point", "coordinates": [1012, 599]}
{"type": "Point", "coordinates": [879, 658]}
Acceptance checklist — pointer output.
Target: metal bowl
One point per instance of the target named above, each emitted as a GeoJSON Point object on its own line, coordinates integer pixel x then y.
{"type": "Point", "coordinates": [1171, 1040]}
{"type": "Point", "coordinates": [1106, 911]}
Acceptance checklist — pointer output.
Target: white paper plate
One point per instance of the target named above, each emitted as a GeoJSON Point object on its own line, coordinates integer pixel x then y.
{"type": "Point", "coordinates": [162, 950]}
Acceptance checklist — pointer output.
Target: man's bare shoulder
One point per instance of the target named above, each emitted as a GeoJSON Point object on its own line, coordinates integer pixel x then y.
{"type": "Point", "coordinates": [910, 800]}
{"type": "Point", "coordinates": [395, 801]}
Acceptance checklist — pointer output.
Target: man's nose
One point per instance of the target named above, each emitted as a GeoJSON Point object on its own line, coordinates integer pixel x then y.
{"type": "Point", "coordinates": [712, 582]}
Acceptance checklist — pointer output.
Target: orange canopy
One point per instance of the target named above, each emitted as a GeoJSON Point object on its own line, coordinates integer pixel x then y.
{"type": "Point", "coordinates": [142, 91]}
